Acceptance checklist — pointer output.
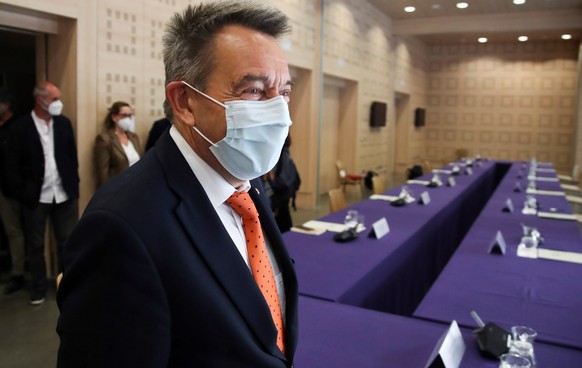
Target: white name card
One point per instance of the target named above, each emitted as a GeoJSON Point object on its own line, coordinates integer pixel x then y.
{"type": "Point", "coordinates": [424, 198]}
{"type": "Point", "coordinates": [469, 171]}
{"type": "Point", "coordinates": [508, 206]}
{"type": "Point", "coordinates": [449, 350]}
{"type": "Point", "coordinates": [379, 228]}
{"type": "Point", "coordinates": [498, 244]}
{"type": "Point", "coordinates": [451, 181]}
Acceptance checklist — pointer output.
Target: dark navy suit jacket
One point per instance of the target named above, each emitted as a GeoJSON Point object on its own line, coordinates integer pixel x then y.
{"type": "Point", "coordinates": [24, 159]}
{"type": "Point", "coordinates": [152, 278]}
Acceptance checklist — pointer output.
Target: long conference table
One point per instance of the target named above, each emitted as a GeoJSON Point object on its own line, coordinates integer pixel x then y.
{"type": "Point", "coordinates": [540, 293]}
{"type": "Point", "coordinates": [393, 273]}
{"type": "Point", "coordinates": [347, 288]}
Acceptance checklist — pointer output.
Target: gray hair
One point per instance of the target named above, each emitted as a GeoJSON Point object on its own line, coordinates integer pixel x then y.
{"type": "Point", "coordinates": [188, 52]}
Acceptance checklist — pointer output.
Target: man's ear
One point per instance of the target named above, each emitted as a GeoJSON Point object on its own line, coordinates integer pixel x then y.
{"type": "Point", "coordinates": [177, 96]}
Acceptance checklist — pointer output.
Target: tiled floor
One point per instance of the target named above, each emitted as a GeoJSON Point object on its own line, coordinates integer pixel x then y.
{"type": "Point", "coordinates": [28, 338]}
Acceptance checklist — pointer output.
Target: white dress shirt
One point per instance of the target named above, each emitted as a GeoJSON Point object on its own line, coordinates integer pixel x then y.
{"type": "Point", "coordinates": [52, 185]}
{"type": "Point", "coordinates": [218, 191]}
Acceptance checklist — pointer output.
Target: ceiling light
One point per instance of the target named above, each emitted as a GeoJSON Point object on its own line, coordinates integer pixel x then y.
{"type": "Point", "coordinates": [522, 38]}
{"type": "Point", "coordinates": [436, 6]}
{"type": "Point", "coordinates": [482, 39]}
{"type": "Point", "coordinates": [519, 2]}
{"type": "Point", "coordinates": [566, 36]}
{"type": "Point", "coordinates": [462, 5]}
{"type": "Point", "coordinates": [409, 9]}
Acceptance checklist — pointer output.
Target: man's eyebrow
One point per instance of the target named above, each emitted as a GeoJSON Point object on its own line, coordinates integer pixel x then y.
{"type": "Point", "coordinates": [260, 78]}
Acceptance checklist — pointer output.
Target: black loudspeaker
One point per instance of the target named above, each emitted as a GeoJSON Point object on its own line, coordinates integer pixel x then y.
{"type": "Point", "coordinates": [378, 114]}
{"type": "Point", "coordinates": [419, 117]}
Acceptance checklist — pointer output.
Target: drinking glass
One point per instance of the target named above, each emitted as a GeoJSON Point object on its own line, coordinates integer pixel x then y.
{"type": "Point", "coordinates": [512, 360]}
{"type": "Point", "coordinates": [351, 219]}
{"type": "Point", "coordinates": [522, 342]}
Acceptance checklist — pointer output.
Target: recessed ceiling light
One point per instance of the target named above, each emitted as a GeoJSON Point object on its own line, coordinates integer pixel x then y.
{"type": "Point", "coordinates": [519, 2]}
{"type": "Point", "coordinates": [522, 38]}
{"type": "Point", "coordinates": [462, 5]}
{"type": "Point", "coordinates": [566, 36]}
{"type": "Point", "coordinates": [409, 9]}
{"type": "Point", "coordinates": [482, 39]}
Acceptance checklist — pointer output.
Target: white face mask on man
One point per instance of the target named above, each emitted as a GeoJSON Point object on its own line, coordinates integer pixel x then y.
{"type": "Point", "coordinates": [54, 108]}
{"type": "Point", "coordinates": [255, 134]}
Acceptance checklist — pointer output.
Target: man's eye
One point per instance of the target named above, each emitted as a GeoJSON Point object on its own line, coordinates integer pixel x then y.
{"type": "Point", "coordinates": [253, 91]}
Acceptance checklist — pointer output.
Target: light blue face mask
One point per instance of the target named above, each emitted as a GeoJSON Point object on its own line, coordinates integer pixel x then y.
{"type": "Point", "coordinates": [255, 134]}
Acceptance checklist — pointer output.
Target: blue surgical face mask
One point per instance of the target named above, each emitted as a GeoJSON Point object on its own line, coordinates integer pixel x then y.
{"type": "Point", "coordinates": [255, 134]}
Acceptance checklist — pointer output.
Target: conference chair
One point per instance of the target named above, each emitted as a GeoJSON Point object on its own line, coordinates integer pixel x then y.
{"type": "Point", "coordinates": [337, 200]}
{"type": "Point", "coordinates": [574, 178]}
{"type": "Point", "coordinates": [462, 152]}
{"type": "Point", "coordinates": [426, 166]}
{"type": "Point", "coordinates": [377, 184]}
{"type": "Point", "coordinates": [348, 179]}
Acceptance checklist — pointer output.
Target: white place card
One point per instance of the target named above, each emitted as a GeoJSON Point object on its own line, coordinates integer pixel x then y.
{"type": "Point", "coordinates": [546, 170]}
{"type": "Point", "coordinates": [557, 216]}
{"type": "Point", "coordinates": [508, 206]}
{"type": "Point", "coordinates": [538, 178]}
{"type": "Point", "coordinates": [382, 197]}
{"type": "Point", "coordinates": [570, 187]}
{"type": "Point", "coordinates": [545, 192]}
{"type": "Point", "coordinates": [331, 226]}
{"type": "Point", "coordinates": [379, 228]}
{"type": "Point", "coordinates": [451, 181]}
{"type": "Point", "coordinates": [424, 198]}
{"type": "Point", "coordinates": [574, 199]}
{"type": "Point", "coordinates": [558, 255]}
{"type": "Point", "coordinates": [498, 245]}
{"type": "Point", "coordinates": [441, 171]}
{"type": "Point", "coordinates": [421, 182]}
{"type": "Point", "coordinates": [469, 171]}
{"type": "Point", "coordinates": [307, 230]}
{"type": "Point", "coordinates": [449, 350]}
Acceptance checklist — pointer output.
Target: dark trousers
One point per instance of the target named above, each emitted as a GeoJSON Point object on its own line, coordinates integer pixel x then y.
{"type": "Point", "coordinates": [63, 218]}
{"type": "Point", "coordinates": [282, 213]}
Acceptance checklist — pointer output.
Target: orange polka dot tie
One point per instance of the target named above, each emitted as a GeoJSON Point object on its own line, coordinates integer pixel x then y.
{"type": "Point", "coordinates": [261, 268]}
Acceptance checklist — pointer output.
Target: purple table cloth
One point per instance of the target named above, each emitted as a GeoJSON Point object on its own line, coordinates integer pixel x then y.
{"type": "Point", "coordinates": [392, 274]}
{"type": "Point", "coordinates": [543, 294]}
{"type": "Point", "coordinates": [336, 335]}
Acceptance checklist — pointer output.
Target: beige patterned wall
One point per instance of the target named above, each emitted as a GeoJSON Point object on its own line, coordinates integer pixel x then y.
{"type": "Point", "coordinates": [503, 101]}
{"type": "Point", "coordinates": [411, 84]}
{"type": "Point", "coordinates": [114, 54]}
{"type": "Point", "coordinates": [357, 47]}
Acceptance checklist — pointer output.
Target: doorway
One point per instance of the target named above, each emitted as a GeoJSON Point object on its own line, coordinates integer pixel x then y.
{"type": "Point", "coordinates": [403, 123]}
{"type": "Point", "coordinates": [18, 67]}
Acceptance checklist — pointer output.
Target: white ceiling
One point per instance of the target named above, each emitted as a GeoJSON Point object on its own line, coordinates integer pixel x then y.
{"type": "Point", "coordinates": [440, 21]}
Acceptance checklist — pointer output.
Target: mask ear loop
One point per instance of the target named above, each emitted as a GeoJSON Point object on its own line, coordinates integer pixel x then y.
{"type": "Point", "coordinates": [205, 95]}
{"type": "Point", "coordinates": [211, 99]}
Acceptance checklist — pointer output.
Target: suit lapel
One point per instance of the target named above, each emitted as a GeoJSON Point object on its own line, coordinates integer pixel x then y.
{"type": "Point", "coordinates": [116, 143]}
{"type": "Point", "coordinates": [210, 239]}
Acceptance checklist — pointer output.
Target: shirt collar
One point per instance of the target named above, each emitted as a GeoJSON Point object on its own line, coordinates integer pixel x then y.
{"type": "Point", "coordinates": [215, 185]}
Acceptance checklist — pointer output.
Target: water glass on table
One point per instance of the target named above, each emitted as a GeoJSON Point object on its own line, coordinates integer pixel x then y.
{"type": "Point", "coordinates": [522, 342]}
{"type": "Point", "coordinates": [351, 220]}
{"type": "Point", "coordinates": [513, 360]}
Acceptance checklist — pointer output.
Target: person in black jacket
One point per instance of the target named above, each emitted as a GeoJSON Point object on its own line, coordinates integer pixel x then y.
{"type": "Point", "coordinates": [10, 208]}
{"type": "Point", "coordinates": [158, 128]}
{"type": "Point", "coordinates": [42, 174]}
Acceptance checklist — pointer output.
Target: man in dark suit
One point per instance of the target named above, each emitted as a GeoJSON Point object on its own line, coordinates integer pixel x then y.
{"type": "Point", "coordinates": [157, 272]}
{"type": "Point", "coordinates": [158, 128]}
{"type": "Point", "coordinates": [42, 174]}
